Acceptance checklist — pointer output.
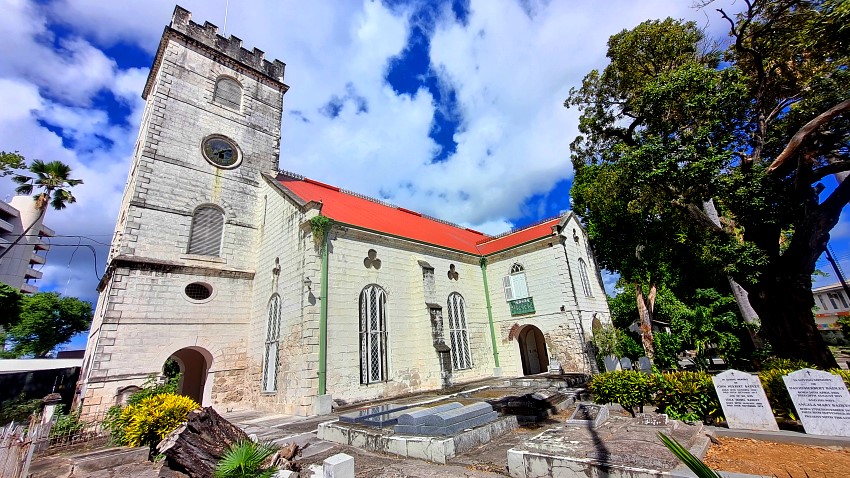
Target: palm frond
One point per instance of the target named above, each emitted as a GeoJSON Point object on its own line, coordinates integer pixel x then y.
{"type": "Point", "coordinates": [245, 459]}
{"type": "Point", "coordinates": [693, 463]}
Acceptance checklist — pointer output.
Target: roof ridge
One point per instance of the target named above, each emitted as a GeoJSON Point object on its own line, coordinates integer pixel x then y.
{"type": "Point", "coordinates": [520, 229]}
{"type": "Point", "coordinates": [378, 201]}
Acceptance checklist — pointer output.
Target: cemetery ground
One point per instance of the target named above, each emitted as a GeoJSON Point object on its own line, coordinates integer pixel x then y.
{"type": "Point", "coordinates": [758, 457]}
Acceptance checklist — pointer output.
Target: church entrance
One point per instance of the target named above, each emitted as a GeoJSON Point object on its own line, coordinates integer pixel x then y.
{"type": "Point", "coordinates": [532, 349]}
{"type": "Point", "coordinates": [193, 365]}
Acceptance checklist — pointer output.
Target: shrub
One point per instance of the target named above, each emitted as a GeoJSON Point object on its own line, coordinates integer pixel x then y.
{"type": "Point", "coordinates": [844, 374]}
{"type": "Point", "coordinates": [777, 394]}
{"type": "Point", "coordinates": [151, 388]}
{"type": "Point", "coordinates": [666, 350]}
{"type": "Point", "coordinates": [629, 388]}
{"type": "Point", "coordinates": [66, 424]}
{"type": "Point", "coordinates": [783, 363]}
{"type": "Point", "coordinates": [245, 459]}
{"type": "Point", "coordinates": [687, 396]}
{"type": "Point", "coordinates": [151, 419]}
{"type": "Point", "coordinates": [19, 409]}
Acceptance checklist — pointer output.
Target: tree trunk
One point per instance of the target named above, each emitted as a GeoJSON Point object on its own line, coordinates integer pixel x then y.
{"type": "Point", "coordinates": [787, 321]}
{"type": "Point", "coordinates": [646, 306]}
{"type": "Point", "coordinates": [196, 447]}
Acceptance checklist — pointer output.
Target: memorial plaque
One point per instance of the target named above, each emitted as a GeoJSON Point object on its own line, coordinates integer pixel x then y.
{"type": "Point", "coordinates": [822, 401]}
{"type": "Point", "coordinates": [743, 400]}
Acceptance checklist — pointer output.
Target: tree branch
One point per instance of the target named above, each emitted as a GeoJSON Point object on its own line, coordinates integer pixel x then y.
{"type": "Point", "coordinates": [833, 168]}
{"type": "Point", "coordinates": [807, 130]}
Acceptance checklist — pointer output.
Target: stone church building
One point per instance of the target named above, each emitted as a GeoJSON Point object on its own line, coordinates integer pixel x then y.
{"type": "Point", "coordinates": [274, 291]}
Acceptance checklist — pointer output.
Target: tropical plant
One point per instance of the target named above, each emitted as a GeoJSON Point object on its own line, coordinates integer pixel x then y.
{"type": "Point", "coordinates": [10, 161]}
{"type": "Point", "coordinates": [117, 423]}
{"type": "Point", "coordinates": [667, 348]}
{"type": "Point", "coordinates": [54, 182]}
{"type": "Point", "coordinates": [629, 388]}
{"type": "Point", "coordinates": [150, 420]}
{"type": "Point", "coordinates": [687, 396]}
{"type": "Point", "coordinates": [246, 459]}
{"type": "Point", "coordinates": [671, 127]}
{"type": "Point", "coordinates": [66, 424]}
{"type": "Point", "coordinates": [777, 393]}
{"type": "Point", "coordinates": [692, 462]}
{"type": "Point", "coordinates": [844, 374]}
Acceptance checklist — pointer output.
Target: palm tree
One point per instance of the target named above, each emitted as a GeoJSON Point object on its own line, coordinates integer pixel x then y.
{"type": "Point", "coordinates": [53, 181]}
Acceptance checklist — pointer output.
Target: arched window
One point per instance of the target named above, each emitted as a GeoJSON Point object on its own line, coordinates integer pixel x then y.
{"type": "Point", "coordinates": [207, 226]}
{"type": "Point", "coordinates": [458, 335]}
{"type": "Point", "coordinates": [373, 334]}
{"type": "Point", "coordinates": [514, 284]}
{"type": "Point", "coordinates": [585, 281]}
{"type": "Point", "coordinates": [228, 92]}
{"type": "Point", "coordinates": [270, 360]}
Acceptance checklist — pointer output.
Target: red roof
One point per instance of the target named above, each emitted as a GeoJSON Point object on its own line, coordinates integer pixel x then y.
{"type": "Point", "coordinates": [355, 210]}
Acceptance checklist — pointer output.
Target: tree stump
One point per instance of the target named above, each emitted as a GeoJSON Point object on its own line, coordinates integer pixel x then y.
{"type": "Point", "coordinates": [196, 446]}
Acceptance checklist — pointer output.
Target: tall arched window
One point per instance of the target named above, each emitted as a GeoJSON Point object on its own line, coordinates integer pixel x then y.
{"type": "Point", "coordinates": [272, 351]}
{"type": "Point", "coordinates": [228, 92]}
{"type": "Point", "coordinates": [207, 226]}
{"type": "Point", "coordinates": [585, 281]}
{"type": "Point", "coordinates": [458, 335]}
{"type": "Point", "coordinates": [373, 334]}
{"type": "Point", "coordinates": [514, 284]}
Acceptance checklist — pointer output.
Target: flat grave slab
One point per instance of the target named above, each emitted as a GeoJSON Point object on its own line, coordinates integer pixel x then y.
{"type": "Point", "coordinates": [417, 417]}
{"type": "Point", "coordinates": [743, 401]}
{"type": "Point", "coordinates": [457, 415]}
{"type": "Point", "coordinates": [458, 426]}
{"type": "Point", "coordinates": [385, 420]}
{"type": "Point", "coordinates": [822, 401]}
{"type": "Point", "coordinates": [588, 415]}
{"type": "Point", "coordinates": [360, 415]}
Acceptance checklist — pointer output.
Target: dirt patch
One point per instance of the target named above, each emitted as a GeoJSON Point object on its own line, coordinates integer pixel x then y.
{"type": "Point", "coordinates": [782, 460]}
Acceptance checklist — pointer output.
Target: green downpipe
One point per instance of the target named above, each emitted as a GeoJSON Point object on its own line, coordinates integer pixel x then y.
{"type": "Point", "coordinates": [489, 311]}
{"type": "Point", "coordinates": [323, 318]}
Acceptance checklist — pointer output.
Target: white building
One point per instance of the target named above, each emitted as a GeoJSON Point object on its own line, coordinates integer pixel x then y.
{"type": "Point", "coordinates": [220, 262]}
{"type": "Point", "coordinates": [17, 267]}
{"type": "Point", "coordinates": [831, 303]}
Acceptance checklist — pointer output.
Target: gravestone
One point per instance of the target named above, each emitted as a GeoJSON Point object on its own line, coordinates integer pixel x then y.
{"type": "Point", "coordinates": [822, 401]}
{"type": "Point", "coordinates": [743, 400]}
{"type": "Point", "coordinates": [626, 363]}
{"type": "Point", "coordinates": [587, 415]}
{"type": "Point", "coordinates": [555, 366]}
{"type": "Point", "coordinates": [611, 363]}
{"type": "Point", "coordinates": [645, 365]}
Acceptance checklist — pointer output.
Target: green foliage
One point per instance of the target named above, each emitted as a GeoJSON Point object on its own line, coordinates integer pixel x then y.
{"type": "Point", "coordinates": [612, 341]}
{"type": "Point", "coordinates": [687, 396]}
{"type": "Point", "coordinates": [46, 321]}
{"type": "Point", "coordinates": [10, 305]}
{"type": "Point", "coordinates": [712, 324]}
{"type": "Point", "coordinates": [246, 459]}
{"type": "Point", "coordinates": [844, 322]}
{"type": "Point", "coordinates": [52, 179]}
{"type": "Point", "coordinates": [113, 422]}
{"type": "Point", "coordinates": [628, 346]}
{"type": "Point", "coordinates": [785, 364]}
{"type": "Point", "coordinates": [154, 417]}
{"type": "Point", "coordinates": [320, 225]}
{"type": "Point", "coordinates": [66, 424]}
{"type": "Point", "coordinates": [117, 423]}
{"type": "Point", "coordinates": [777, 393]}
{"type": "Point", "coordinates": [629, 388]}
{"type": "Point", "coordinates": [692, 462]}
{"type": "Point", "coordinates": [19, 409]}
{"type": "Point", "coordinates": [667, 347]}
{"type": "Point", "coordinates": [844, 374]}
{"type": "Point", "coordinates": [10, 162]}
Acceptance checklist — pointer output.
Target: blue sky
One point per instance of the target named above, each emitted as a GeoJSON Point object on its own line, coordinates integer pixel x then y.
{"type": "Point", "coordinates": [452, 108]}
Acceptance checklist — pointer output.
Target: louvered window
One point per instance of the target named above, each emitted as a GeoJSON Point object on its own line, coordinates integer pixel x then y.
{"type": "Point", "coordinates": [228, 92]}
{"type": "Point", "coordinates": [458, 335]}
{"type": "Point", "coordinates": [514, 284]}
{"type": "Point", "coordinates": [373, 335]}
{"type": "Point", "coordinates": [272, 354]}
{"type": "Point", "coordinates": [585, 280]}
{"type": "Point", "coordinates": [207, 226]}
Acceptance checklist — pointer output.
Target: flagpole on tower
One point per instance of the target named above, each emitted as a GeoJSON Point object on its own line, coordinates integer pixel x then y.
{"type": "Point", "coordinates": [226, 8]}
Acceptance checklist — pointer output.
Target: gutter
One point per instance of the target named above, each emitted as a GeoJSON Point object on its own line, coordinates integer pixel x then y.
{"type": "Point", "coordinates": [323, 318]}
{"type": "Point", "coordinates": [483, 263]}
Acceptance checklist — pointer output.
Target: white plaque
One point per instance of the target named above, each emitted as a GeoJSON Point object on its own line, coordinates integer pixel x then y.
{"type": "Point", "coordinates": [743, 400]}
{"type": "Point", "coordinates": [821, 400]}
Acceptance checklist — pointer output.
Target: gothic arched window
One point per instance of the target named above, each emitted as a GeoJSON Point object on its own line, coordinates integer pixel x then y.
{"type": "Point", "coordinates": [228, 92]}
{"type": "Point", "coordinates": [514, 284]}
{"type": "Point", "coordinates": [207, 227]}
{"type": "Point", "coordinates": [272, 351]}
{"type": "Point", "coordinates": [373, 334]}
{"type": "Point", "coordinates": [585, 281]}
{"type": "Point", "coordinates": [458, 335]}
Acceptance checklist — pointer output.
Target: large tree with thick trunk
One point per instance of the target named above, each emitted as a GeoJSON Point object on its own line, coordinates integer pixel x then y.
{"type": "Point", "coordinates": [674, 129]}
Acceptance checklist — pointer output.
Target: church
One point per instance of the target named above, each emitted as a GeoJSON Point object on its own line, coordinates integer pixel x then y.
{"type": "Point", "coordinates": [275, 291]}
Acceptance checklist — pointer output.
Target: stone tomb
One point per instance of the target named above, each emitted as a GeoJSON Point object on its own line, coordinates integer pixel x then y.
{"type": "Point", "coordinates": [587, 415]}
{"type": "Point", "coordinates": [743, 400]}
{"type": "Point", "coordinates": [360, 416]}
{"type": "Point", "coordinates": [822, 401]}
{"type": "Point", "coordinates": [449, 422]}
{"type": "Point", "coordinates": [410, 421]}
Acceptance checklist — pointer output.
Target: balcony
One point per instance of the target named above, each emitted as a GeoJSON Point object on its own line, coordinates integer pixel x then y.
{"type": "Point", "coordinates": [6, 226]}
{"type": "Point", "coordinates": [40, 245]}
{"type": "Point", "coordinates": [522, 306]}
{"type": "Point", "coordinates": [32, 274]}
{"type": "Point", "coordinates": [37, 259]}
{"type": "Point", "coordinates": [29, 288]}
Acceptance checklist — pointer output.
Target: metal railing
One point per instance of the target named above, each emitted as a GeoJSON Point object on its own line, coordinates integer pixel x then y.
{"type": "Point", "coordinates": [522, 306]}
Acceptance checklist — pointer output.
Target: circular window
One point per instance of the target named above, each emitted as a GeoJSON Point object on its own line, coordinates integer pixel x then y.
{"type": "Point", "coordinates": [198, 291]}
{"type": "Point", "coordinates": [221, 151]}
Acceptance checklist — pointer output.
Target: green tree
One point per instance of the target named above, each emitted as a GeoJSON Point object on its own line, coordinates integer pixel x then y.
{"type": "Point", "coordinates": [53, 181]}
{"type": "Point", "coordinates": [46, 321]}
{"type": "Point", "coordinates": [10, 305]}
{"type": "Point", "coordinates": [10, 162]}
{"type": "Point", "coordinates": [670, 125]}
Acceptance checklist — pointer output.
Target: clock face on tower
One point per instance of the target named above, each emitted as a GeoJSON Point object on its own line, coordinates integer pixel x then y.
{"type": "Point", "coordinates": [221, 152]}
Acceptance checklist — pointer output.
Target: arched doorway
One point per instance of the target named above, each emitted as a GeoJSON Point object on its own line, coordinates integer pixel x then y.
{"type": "Point", "coordinates": [532, 349]}
{"type": "Point", "coordinates": [194, 366]}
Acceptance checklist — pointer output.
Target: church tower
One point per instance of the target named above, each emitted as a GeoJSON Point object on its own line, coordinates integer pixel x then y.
{"type": "Point", "coordinates": [180, 271]}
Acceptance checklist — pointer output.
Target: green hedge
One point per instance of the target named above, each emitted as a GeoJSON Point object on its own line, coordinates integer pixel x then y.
{"type": "Point", "coordinates": [630, 388]}
{"type": "Point", "coordinates": [687, 396]}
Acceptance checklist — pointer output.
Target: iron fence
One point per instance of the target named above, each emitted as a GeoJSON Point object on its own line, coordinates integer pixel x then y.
{"type": "Point", "coordinates": [72, 434]}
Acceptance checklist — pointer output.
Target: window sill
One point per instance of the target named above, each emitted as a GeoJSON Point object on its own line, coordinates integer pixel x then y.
{"type": "Point", "coordinates": [202, 258]}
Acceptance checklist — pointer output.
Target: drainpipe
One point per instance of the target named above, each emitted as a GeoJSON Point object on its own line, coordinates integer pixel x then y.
{"type": "Point", "coordinates": [483, 263]}
{"type": "Point", "coordinates": [323, 317]}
